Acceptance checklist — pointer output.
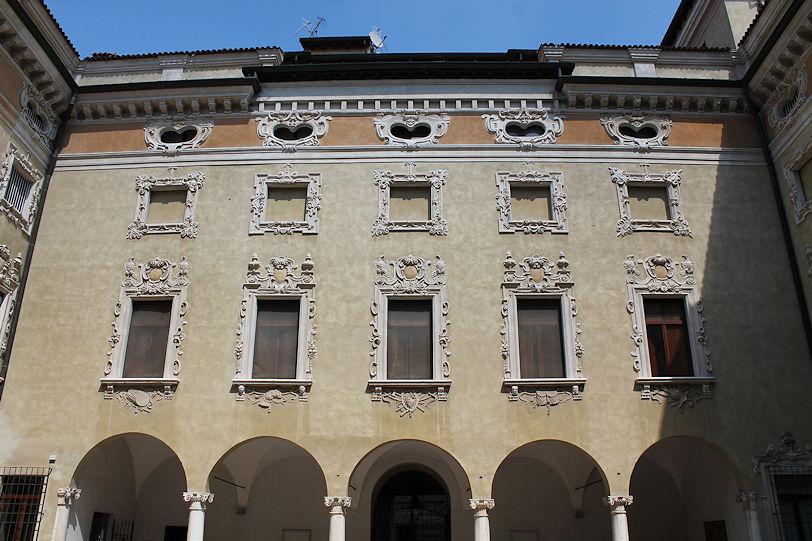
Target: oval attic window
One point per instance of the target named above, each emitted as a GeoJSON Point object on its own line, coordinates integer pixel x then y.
{"type": "Point", "coordinates": [417, 132]}
{"type": "Point", "coordinates": [643, 132]}
{"type": "Point", "coordinates": [175, 137]}
{"type": "Point", "coordinates": [531, 130]}
{"type": "Point", "coordinates": [286, 134]}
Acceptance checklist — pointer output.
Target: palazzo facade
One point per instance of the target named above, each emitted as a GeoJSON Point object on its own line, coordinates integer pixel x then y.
{"type": "Point", "coordinates": [329, 294]}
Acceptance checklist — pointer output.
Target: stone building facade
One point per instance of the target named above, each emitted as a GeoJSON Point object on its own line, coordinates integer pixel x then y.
{"type": "Point", "coordinates": [336, 294]}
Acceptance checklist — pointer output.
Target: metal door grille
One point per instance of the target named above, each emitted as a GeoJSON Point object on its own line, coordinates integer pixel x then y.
{"type": "Point", "coordinates": [22, 494]}
{"type": "Point", "coordinates": [17, 190]}
{"type": "Point", "coordinates": [791, 499]}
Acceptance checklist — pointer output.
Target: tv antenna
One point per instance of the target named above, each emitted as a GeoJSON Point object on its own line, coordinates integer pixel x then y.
{"type": "Point", "coordinates": [378, 41]}
{"type": "Point", "coordinates": [312, 29]}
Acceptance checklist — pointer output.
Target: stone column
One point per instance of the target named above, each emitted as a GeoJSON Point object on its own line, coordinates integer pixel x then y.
{"type": "Point", "coordinates": [749, 501]}
{"type": "Point", "coordinates": [482, 526]}
{"type": "Point", "coordinates": [620, 524]}
{"type": "Point", "coordinates": [337, 526]}
{"type": "Point", "coordinates": [65, 498]}
{"type": "Point", "coordinates": [197, 513]}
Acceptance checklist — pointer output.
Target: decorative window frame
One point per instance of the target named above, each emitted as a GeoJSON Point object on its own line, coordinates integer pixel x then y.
{"type": "Point", "coordinates": [498, 122]}
{"type": "Point", "coordinates": [552, 180]}
{"type": "Point", "coordinates": [146, 184]}
{"type": "Point", "coordinates": [787, 458]}
{"type": "Point", "coordinates": [801, 206]}
{"type": "Point", "coordinates": [279, 281]}
{"type": "Point", "coordinates": [292, 120]}
{"type": "Point", "coordinates": [538, 277]}
{"type": "Point", "coordinates": [794, 87]}
{"type": "Point", "coordinates": [154, 130]}
{"type": "Point", "coordinates": [410, 277]}
{"type": "Point", "coordinates": [157, 279]}
{"type": "Point", "coordinates": [258, 225]}
{"type": "Point", "coordinates": [671, 181]}
{"type": "Point", "coordinates": [410, 118]}
{"type": "Point", "coordinates": [660, 276]}
{"type": "Point", "coordinates": [436, 179]}
{"type": "Point", "coordinates": [9, 281]}
{"type": "Point", "coordinates": [22, 162]}
{"type": "Point", "coordinates": [33, 100]}
{"type": "Point", "coordinates": [662, 125]}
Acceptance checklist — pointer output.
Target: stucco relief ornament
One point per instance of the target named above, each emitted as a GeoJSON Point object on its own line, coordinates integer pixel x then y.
{"type": "Point", "coordinates": [529, 128]}
{"type": "Point", "coordinates": [788, 453]}
{"type": "Point", "coordinates": [385, 180]}
{"type": "Point", "coordinates": [287, 178]}
{"type": "Point", "coordinates": [273, 397]}
{"type": "Point", "coordinates": [38, 113]}
{"type": "Point", "coordinates": [145, 185]}
{"type": "Point", "coordinates": [801, 204]}
{"type": "Point", "coordinates": [176, 135]}
{"type": "Point", "coordinates": [638, 130]}
{"type": "Point", "coordinates": [9, 280]}
{"type": "Point", "coordinates": [292, 129]}
{"type": "Point", "coordinates": [788, 98]}
{"type": "Point", "coordinates": [671, 181]}
{"type": "Point", "coordinates": [410, 402]}
{"type": "Point", "coordinates": [411, 128]}
{"type": "Point", "coordinates": [16, 159]}
{"type": "Point", "coordinates": [677, 396]}
{"type": "Point", "coordinates": [544, 399]}
{"type": "Point", "coordinates": [142, 400]}
{"type": "Point", "coordinates": [552, 181]}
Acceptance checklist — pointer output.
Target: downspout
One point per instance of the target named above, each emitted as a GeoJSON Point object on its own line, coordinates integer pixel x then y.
{"type": "Point", "coordinates": [18, 301]}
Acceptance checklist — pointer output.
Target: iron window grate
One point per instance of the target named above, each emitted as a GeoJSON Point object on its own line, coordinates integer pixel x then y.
{"type": "Point", "coordinates": [17, 190]}
{"type": "Point", "coordinates": [791, 502]}
{"type": "Point", "coordinates": [22, 495]}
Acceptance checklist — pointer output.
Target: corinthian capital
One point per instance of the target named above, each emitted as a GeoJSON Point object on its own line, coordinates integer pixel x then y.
{"type": "Point", "coordinates": [66, 496]}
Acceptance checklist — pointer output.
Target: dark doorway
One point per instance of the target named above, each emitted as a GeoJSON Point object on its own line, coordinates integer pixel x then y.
{"type": "Point", "coordinates": [175, 533]}
{"type": "Point", "coordinates": [411, 505]}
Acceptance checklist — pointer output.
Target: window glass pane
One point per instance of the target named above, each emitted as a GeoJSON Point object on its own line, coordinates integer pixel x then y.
{"type": "Point", "coordinates": [409, 203]}
{"type": "Point", "coordinates": [166, 206]}
{"type": "Point", "coordinates": [408, 339]}
{"type": "Point", "coordinates": [668, 345]}
{"type": "Point", "coordinates": [286, 204]}
{"type": "Point", "coordinates": [541, 350]}
{"type": "Point", "coordinates": [648, 203]}
{"type": "Point", "coordinates": [530, 203]}
{"type": "Point", "coordinates": [276, 340]}
{"type": "Point", "coordinates": [147, 339]}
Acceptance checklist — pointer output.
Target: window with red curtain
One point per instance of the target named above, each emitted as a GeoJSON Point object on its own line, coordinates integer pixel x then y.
{"type": "Point", "coordinates": [541, 349]}
{"type": "Point", "coordinates": [147, 339]}
{"type": "Point", "coordinates": [276, 341]}
{"type": "Point", "coordinates": [668, 347]}
{"type": "Point", "coordinates": [408, 339]}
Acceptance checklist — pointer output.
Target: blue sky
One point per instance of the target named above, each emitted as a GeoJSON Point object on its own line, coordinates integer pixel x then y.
{"type": "Point", "coordinates": [140, 26]}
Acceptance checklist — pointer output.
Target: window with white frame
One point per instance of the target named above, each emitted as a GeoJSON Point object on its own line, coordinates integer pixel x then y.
{"type": "Point", "coordinates": [540, 345]}
{"type": "Point", "coordinates": [144, 359]}
{"type": "Point", "coordinates": [410, 202]}
{"type": "Point", "coordinates": [670, 355]}
{"type": "Point", "coordinates": [531, 202]}
{"type": "Point", "coordinates": [166, 205]}
{"type": "Point", "coordinates": [649, 202]}
{"type": "Point", "coordinates": [276, 334]}
{"type": "Point", "coordinates": [9, 280]}
{"type": "Point", "coordinates": [787, 475]}
{"type": "Point", "coordinates": [20, 185]}
{"type": "Point", "coordinates": [410, 368]}
{"type": "Point", "coordinates": [285, 203]}
{"type": "Point", "coordinates": [798, 176]}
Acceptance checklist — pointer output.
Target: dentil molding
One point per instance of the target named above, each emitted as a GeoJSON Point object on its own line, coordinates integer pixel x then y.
{"type": "Point", "coordinates": [633, 123]}
{"type": "Point", "coordinates": [156, 130]}
{"type": "Point", "coordinates": [145, 185]}
{"type": "Point", "coordinates": [305, 129]}
{"type": "Point", "coordinates": [409, 120]}
{"type": "Point", "coordinates": [508, 125]}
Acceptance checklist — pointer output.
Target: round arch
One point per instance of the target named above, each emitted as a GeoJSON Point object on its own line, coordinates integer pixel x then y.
{"type": "Point", "coordinates": [130, 482]}
{"type": "Point", "coordinates": [550, 489]}
{"type": "Point", "coordinates": [686, 487]}
{"type": "Point", "coordinates": [264, 486]}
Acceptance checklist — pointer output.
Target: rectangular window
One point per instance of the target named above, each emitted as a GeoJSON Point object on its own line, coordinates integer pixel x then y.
{"type": "Point", "coordinates": [17, 190]}
{"type": "Point", "coordinates": [166, 206]}
{"type": "Point", "coordinates": [409, 339]}
{"type": "Point", "coordinates": [648, 202]}
{"type": "Point", "coordinates": [794, 506]}
{"type": "Point", "coordinates": [21, 497]}
{"type": "Point", "coordinates": [276, 339]}
{"type": "Point", "coordinates": [541, 350]}
{"type": "Point", "coordinates": [286, 204]}
{"type": "Point", "coordinates": [668, 346]}
{"type": "Point", "coordinates": [409, 203]}
{"type": "Point", "coordinates": [530, 203]}
{"type": "Point", "coordinates": [147, 339]}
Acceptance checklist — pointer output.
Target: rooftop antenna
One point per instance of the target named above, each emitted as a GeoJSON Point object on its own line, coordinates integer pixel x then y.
{"type": "Point", "coordinates": [378, 42]}
{"type": "Point", "coordinates": [312, 29]}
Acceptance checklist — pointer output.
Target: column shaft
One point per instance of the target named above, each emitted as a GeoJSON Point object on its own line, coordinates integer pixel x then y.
{"type": "Point", "coordinates": [197, 513]}
{"type": "Point", "coordinates": [620, 524]}
{"type": "Point", "coordinates": [65, 498]}
{"type": "Point", "coordinates": [337, 525]}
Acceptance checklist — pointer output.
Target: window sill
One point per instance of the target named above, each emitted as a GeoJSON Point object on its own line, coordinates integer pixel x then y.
{"type": "Point", "coordinates": [271, 390]}
{"type": "Point", "coordinates": [517, 389]}
{"type": "Point", "coordinates": [679, 380]}
{"type": "Point", "coordinates": [435, 387]}
{"type": "Point", "coordinates": [111, 386]}
{"type": "Point", "coordinates": [676, 391]}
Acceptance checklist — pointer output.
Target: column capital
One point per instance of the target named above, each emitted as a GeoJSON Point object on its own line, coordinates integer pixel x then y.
{"type": "Point", "coordinates": [337, 501]}
{"type": "Point", "coordinates": [481, 504]}
{"type": "Point", "coordinates": [66, 496]}
{"type": "Point", "coordinates": [618, 503]}
{"type": "Point", "coordinates": [198, 500]}
{"type": "Point", "coordinates": [749, 500]}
